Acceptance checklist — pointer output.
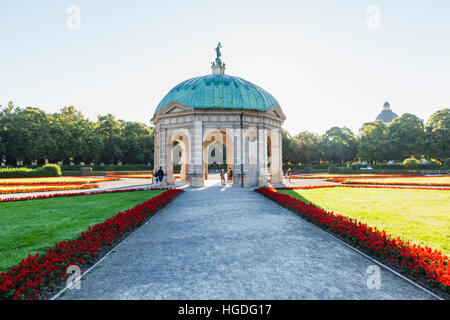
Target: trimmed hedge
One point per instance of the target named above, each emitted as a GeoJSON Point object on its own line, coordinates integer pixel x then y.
{"type": "Point", "coordinates": [411, 163]}
{"type": "Point", "coordinates": [357, 167]}
{"type": "Point", "coordinates": [428, 166]}
{"type": "Point", "coordinates": [447, 163]}
{"type": "Point", "coordinates": [322, 167]}
{"type": "Point", "coordinates": [339, 169]}
{"type": "Point", "coordinates": [125, 167]}
{"type": "Point", "coordinates": [49, 170]}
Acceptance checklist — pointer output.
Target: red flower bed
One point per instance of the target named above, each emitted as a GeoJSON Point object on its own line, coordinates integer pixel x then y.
{"type": "Point", "coordinates": [35, 274]}
{"type": "Point", "coordinates": [414, 259]}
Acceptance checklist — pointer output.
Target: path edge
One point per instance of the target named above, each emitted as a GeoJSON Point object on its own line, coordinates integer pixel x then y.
{"type": "Point", "coordinates": [80, 277]}
{"type": "Point", "coordinates": [360, 252]}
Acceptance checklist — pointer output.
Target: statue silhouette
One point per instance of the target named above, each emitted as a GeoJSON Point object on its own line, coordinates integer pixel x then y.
{"type": "Point", "coordinates": [219, 54]}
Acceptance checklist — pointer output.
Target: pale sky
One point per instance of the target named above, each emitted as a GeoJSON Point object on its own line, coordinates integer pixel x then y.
{"type": "Point", "coordinates": [328, 63]}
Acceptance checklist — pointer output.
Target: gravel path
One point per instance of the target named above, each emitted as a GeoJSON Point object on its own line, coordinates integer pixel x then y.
{"type": "Point", "coordinates": [232, 243]}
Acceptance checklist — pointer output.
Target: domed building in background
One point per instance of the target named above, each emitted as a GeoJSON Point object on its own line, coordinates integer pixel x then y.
{"type": "Point", "coordinates": [387, 115]}
{"type": "Point", "coordinates": [220, 110]}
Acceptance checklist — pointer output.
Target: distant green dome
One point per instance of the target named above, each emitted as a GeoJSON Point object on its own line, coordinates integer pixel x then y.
{"type": "Point", "coordinates": [387, 115]}
{"type": "Point", "coordinates": [219, 91]}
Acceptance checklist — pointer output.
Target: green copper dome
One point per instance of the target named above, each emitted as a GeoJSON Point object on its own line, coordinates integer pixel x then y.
{"type": "Point", "coordinates": [219, 91]}
{"type": "Point", "coordinates": [387, 115]}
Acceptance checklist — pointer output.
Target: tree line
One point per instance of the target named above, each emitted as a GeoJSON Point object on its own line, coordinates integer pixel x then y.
{"type": "Point", "coordinates": [28, 134]}
{"type": "Point", "coordinates": [406, 136]}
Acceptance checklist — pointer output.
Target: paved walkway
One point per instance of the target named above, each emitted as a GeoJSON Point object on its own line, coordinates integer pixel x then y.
{"type": "Point", "coordinates": [231, 243]}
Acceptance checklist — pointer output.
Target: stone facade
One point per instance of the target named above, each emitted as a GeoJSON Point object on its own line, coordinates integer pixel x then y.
{"type": "Point", "coordinates": [253, 143]}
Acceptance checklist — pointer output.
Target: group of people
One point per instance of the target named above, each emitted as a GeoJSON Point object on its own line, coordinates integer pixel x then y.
{"type": "Point", "coordinates": [158, 176]}
{"type": "Point", "coordinates": [230, 176]}
{"type": "Point", "coordinates": [222, 176]}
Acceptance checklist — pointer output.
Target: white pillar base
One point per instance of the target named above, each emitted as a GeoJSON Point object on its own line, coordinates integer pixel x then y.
{"type": "Point", "coordinates": [263, 179]}
{"type": "Point", "coordinates": [196, 180]}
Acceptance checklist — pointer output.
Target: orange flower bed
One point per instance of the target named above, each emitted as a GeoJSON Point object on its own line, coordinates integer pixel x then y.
{"type": "Point", "coordinates": [43, 188]}
{"type": "Point", "coordinates": [54, 181]}
{"type": "Point", "coordinates": [141, 176]}
{"type": "Point", "coordinates": [137, 176]}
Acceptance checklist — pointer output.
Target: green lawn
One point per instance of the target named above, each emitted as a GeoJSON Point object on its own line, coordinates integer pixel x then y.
{"type": "Point", "coordinates": [420, 216]}
{"type": "Point", "coordinates": [34, 226]}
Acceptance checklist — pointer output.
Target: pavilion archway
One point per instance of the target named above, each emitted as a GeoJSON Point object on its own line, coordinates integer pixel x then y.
{"type": "Point", "coordinates": [180, 141]}
{"type": "Point", "coordinates": [214, 137]}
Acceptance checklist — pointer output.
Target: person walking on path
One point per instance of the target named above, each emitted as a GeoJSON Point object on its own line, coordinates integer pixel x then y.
{"type": "Point", "coordinates": [222, 176]}
{"type": "Point", "coordinates": [288, 175]}
{"type": "Point", "coordinates": [160, 175]}
{"type": "Point", "coordinates": [155, 176]}
{"type": "Point", "coordinates": [230, 177]}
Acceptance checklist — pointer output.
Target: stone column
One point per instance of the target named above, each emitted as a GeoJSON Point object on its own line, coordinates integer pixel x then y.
{"type": "Point", "coordinates": [229, 144]}
{"type": "Point", "coordinates": [157, 151]}
{"type": "Point", "coordinates": [196, 172]}
{"type": "Point", "coordinates": [237, 174]}
{"type": "Point", "coordinates": [262, 157]}
{"type": "Point", "coordinates": [275, 165]}
{"type": "Point", "coordinates": [162, 150]}
{"type": "Point", "coordinates": [169, 162]}
{"type": "Point", "coordinates": [252, 156]}
{"type": "Point", "coordinates": [280, 139]}
{"type": "Point", "coordinates": [184, 160]}
{"type": "Point", "coordinates": [206, 145]}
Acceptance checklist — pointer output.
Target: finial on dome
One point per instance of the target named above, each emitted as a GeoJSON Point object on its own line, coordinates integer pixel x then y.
{"type": "Point", "coordinates": [218, 67]}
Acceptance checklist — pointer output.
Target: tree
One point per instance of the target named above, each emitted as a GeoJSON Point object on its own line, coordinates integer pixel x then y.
{"type": "Point", "coordinates": [405, 138]}
{"type": "Point", "coordinates": [307, 147]}
{"type": "Point", "coordinates": [110, 129]}
{"type": "Point", "coordinates": [137, 143]}
{"type": "Point", "coordinates": [27, 134]}
{"type": "Point", "coordinates": [438, 135]}
{"type": "Point", "coordinates": [2, 148]}
{"type": "Point", "coordinates": [338, 145]}
{"type": "Point", "coordinates": [31, 134]}
{"type": "Point", "coordinates": [5, 112]}
{"type": "Point", "coordinates": [373, 141]}
{"type": "Point", "coordinates": [94, 145]}
{"type": "Point", "coordinates": [288, 149]}
{"type": "Point", "coordinates": [72, 132]}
